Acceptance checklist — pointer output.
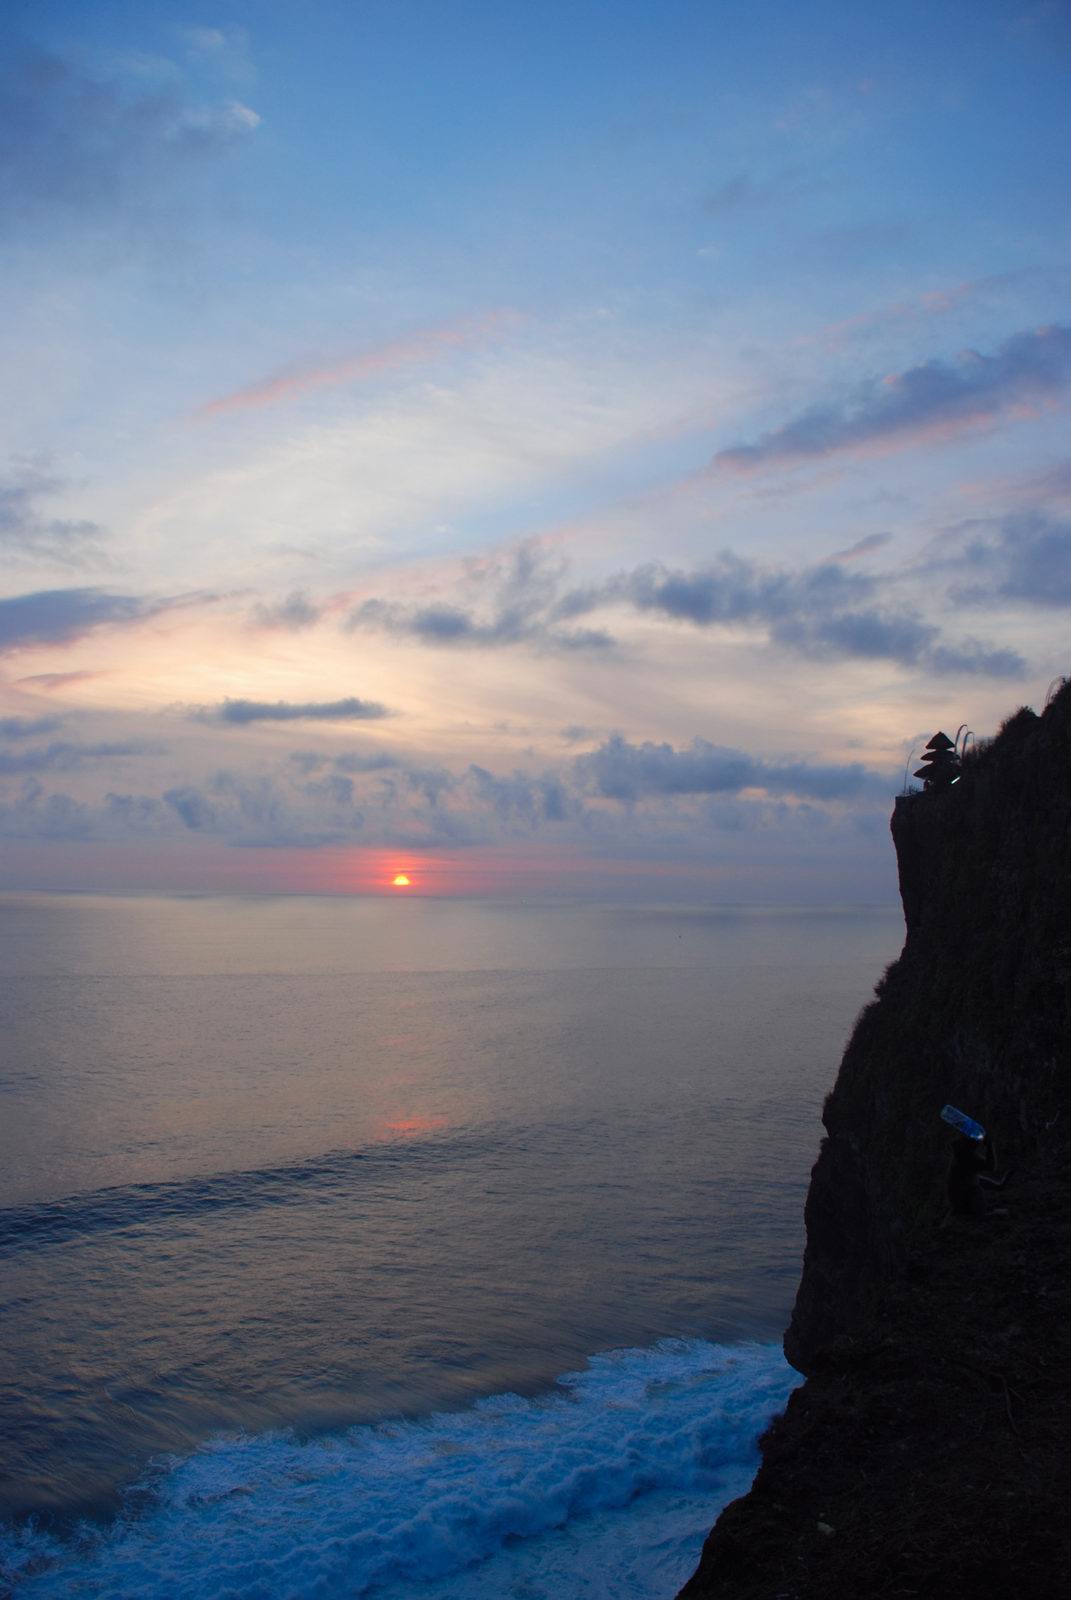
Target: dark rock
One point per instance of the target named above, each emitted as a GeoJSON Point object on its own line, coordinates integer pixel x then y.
{"type": "Point", "coordinates": [977, 1011]}
{"type": "Point", "coordinates": [930, 1432]}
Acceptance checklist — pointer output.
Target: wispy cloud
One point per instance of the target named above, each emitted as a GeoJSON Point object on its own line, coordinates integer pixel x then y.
{"type": "Point", "coordinates": [1047, 487]}
{"type": "Point", "coordinates": [226, 49]}
{"type": "Point", "coordinates": [55, 682]}
{"type": "Point", "coordinates": [26, 530]}
{"type": "Point", "coordinates": [933, 303]}
{"type": "Point", "coordinates": [863, 547]}
{"type": "Point", "coordinates": [426, 345]}
{"type": "Point", "coordinates": [926, 402]}
{"type": "Point", "coordinates": [71, 142]}
{"type": "Point", "coordinates": [745, 195]}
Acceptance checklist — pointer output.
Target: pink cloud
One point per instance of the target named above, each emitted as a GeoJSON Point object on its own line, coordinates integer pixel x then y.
{"type": "Point", "coordinates": [1051, 486]}
{"type": "Point", "coordinates": [919, 308]}
{"type": "Point", "coordinates": [53, 682]}
{"type": "Point", "coordinates": [862, 547]}
{"type": "Point", "coordinates": [419, 347]}
{"type": "Point", "coordinates": [933, 303]}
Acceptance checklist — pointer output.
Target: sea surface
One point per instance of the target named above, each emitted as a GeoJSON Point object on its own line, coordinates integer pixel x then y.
{"type": "Point", "coordinates": [399, 1248]}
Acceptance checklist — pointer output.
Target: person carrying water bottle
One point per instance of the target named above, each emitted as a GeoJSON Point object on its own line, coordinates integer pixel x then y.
{"type": "Point", "coordinates": [973, 1164]}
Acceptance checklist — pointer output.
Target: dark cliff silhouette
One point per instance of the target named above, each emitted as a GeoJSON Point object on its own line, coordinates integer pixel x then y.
{"type": "Point", "coordinates": [925, 1453]}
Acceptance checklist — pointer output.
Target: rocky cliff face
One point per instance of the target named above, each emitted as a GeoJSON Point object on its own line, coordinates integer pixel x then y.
{"type": "Point", "coordinates": [977, 1011]}
{"type": "Point", "coordinates": [934, 1349]}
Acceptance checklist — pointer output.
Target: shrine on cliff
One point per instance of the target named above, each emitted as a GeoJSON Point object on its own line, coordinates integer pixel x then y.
{"type": "Point", "coordinates": [940, 763]}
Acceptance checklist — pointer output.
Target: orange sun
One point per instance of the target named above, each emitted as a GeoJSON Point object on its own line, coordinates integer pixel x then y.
{"type": "Point", "coordinates": [400, 881]}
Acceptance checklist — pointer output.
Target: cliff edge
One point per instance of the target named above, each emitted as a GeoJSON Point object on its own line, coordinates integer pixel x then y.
{"type": "Point", "coordinates": [926, 1453]}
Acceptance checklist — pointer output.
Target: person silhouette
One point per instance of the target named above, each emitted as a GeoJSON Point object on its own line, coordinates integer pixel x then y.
{"type": "Point", "coordinates": [973, 1164]}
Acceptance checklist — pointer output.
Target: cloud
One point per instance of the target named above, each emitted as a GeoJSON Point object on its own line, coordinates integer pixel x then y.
{"type": "Point", "coordinates": [52, 682]}
{"type": "Point", "coordinates": [304, 805]}
{"type": "Point", "coordinates": [224, 48]}
{"type": "Point", "coordinates": [62, 757]}
{"type": "Point", "coordinates": [863, 547]}
{"type": "Point", "coordinates": [997, 288]}
{"type": "Point", "coordinates": [1025, 557]}
{"type": "Point", "coordinates": [818, 611]}
{"type": "Point", "coordinates": [876, 636]}
{"type": "Point", "coordinates": [867, 634]}
{"type": "Point", "coordinates": [733, 589]}
{"type": "Point", "coordinates": [256, 810]}
{"type": "Point", "coordinates": [414, 465]}
{"type": "Point", "coordinates": [520, 798]}
{"type": "Point", "coordinates": [430, 782]}
{"type": "Point", "coordinates": [1053, 484]}
{"type": "Point", "coordinates": [333, 787]}
{"type": "Point", "coordinates": [192, 808]}
{"type": "Point", "coordinates": [258, 800]}
{"type": "Point", "coordinates": [74, 143]}
{"type": "Point", "coordinates": [206, 41]}
{"type": "Point", "coordinates": [24, 530]}
{"type": "Point", "coordinates": [354, 761]}
{"type": "Point", "coordinates": [58, 616]}
{"type": "Point", "coordinates": [507, 600]}
{"type": "Point", "coordinates": [135, 813]}
{"type": "Point", "coordinates": [427, 345]}
{"type": "Point", "coordinates": [744, 195]}
{"type": "Point", "coordinates": [238, 713]}
{"type": "Point", "coordinates": [618, 770]}
{"type": "Point", "coordinates": [35, 813]}
{"type": "Point", "coordinates": [295, 613]}
{"type": "Point", "coordinates": [973, 657]}
{"type": "Point", "coordinates": [854, 246]}
{"type": "Point", "coordinates": [28, 727]}
{"type": "Point", "coordinates": [822, 611]}
{"type": "Point", "coordinates": [925, 402]}
{"type": "Point", "coordinates": [623, 799]}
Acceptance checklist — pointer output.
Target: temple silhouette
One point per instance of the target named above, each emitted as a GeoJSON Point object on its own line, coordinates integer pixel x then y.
{"type": "Point", "coordinates": [940, 763]}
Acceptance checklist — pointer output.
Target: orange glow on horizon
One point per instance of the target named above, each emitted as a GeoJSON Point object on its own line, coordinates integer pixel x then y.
{"type": "Point", "coordinates": [400, 881]}
{"type": "Point", "coordinates": [408, 1126]}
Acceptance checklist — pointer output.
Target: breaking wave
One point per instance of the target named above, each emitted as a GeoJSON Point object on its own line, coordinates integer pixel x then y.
{"type": "Point", "coordinates": [606, 1485]}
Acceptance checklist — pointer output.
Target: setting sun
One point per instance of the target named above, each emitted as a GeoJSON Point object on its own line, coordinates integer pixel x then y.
{"type": "Point", "coordinates": [400, 881]}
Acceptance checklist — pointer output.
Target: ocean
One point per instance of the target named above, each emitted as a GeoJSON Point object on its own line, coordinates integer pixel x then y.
{"type": "Point", "coordinates": [400, 1247]}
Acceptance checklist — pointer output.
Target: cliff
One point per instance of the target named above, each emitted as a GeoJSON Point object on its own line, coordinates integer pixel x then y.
{"type": "Point", "coordinates": [926, 1453]}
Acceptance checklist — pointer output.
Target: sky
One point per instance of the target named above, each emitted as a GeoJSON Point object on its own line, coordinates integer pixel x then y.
{"type": "Point", "coordinates": [575, 449]}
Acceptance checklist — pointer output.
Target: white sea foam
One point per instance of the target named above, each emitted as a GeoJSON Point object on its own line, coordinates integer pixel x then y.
{"type": "Point", "coordinates": [602, 1488]}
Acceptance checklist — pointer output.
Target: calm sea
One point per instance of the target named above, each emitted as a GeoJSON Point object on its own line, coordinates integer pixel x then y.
{"type": "Point", "coordinates": [355, 1247]}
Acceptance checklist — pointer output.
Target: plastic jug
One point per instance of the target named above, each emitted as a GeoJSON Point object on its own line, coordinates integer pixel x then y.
{"type": "Point", "coordinates": [961, 1121]}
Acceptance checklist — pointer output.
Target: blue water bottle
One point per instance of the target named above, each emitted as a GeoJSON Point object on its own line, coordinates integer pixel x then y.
{"type": "Point", "coordinates": [963, 1123]}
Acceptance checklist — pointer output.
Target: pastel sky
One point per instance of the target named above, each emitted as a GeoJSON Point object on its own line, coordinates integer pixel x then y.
{"type": "Point", "coordinates": [560, 448]}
